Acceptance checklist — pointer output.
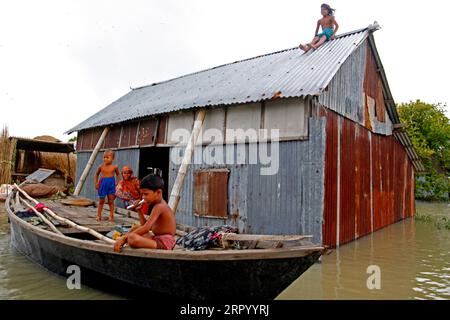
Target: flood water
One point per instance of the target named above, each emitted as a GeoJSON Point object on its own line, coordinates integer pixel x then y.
{"type": "Point", "coordinates": [23, 279]}
{"type": "Point", "coordinates": [413, 259]}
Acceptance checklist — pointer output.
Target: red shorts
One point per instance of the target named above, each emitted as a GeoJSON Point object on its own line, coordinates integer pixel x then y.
{"type": "Point", "coordinates": [164, 241]}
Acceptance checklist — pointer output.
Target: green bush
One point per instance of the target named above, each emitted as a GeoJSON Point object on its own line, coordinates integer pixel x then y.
{"type": "Point", "coordinates": [429, 129]}
{"type": "Point", "coordinates": [432, 187]}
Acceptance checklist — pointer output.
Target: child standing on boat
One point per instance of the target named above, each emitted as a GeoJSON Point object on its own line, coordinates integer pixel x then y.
{"type": "Point", "coordinates": [159, 230]}
{"type": "Point", "coordinates": [107, 185]}
{"type": "Point", "coordinates": [329, 29]}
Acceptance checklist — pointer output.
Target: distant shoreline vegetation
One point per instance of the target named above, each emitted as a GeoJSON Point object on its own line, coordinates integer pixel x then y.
{"type": "Point", "coordinates": [429, 129]}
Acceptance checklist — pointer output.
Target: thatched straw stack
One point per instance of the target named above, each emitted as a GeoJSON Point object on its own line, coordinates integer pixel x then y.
{"type": "Point", "coordinates": [6, 156]}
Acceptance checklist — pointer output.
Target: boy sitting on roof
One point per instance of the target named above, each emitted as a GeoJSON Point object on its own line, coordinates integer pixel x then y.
{"type": "Point", "coordinates": [329, 28]}
{"type": "Point", "coordinates": [159, 230]}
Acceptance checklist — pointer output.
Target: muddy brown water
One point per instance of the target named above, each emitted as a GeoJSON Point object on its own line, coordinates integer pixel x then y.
{"type": "Point", "coordinates": [413, 260]}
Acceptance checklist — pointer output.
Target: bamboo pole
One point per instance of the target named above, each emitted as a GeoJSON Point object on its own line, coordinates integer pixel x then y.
{"type": "Point", "coordinates": [40, 215]}
{"type": "Point", "coordinates": [90, 162]}
{"type": "Point", "coordinates": [178, 185]}
{"type": "Point", "coordinates": [67, 221]}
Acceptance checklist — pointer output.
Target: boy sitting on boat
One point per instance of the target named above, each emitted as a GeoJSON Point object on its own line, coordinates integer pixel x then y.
{"type": "Point", "coordinates": [159, 229]}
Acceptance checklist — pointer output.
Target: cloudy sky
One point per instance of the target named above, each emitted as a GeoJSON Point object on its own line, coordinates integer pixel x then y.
{"type": "Point", "coordinates": [62, 61]}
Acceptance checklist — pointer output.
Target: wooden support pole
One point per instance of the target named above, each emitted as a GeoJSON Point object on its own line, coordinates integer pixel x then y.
{"type": "Point", "coordinates": [90, 163]}
{"type": "Point", "coordinates": [178, 185]}
{"type": "Point", "coordinates": [67, 221]}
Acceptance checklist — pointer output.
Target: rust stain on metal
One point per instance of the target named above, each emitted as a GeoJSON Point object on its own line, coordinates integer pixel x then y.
{"type": "Point", "coordinates": [374, 180]}
{"type": "Point", "coordinates": [211, 192]}
{"type": "Point", "coordinates": [277, 95]}
{"type": "Point", "coordinates": [373, 86]}
{"type": "Point", "coordinates": [146, 132]}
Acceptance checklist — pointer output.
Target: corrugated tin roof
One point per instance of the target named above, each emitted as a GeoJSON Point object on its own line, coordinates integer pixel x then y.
{"type": "Point", "coordinates": [290, 72]}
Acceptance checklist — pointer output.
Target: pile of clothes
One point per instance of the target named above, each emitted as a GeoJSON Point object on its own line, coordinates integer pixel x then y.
{"type": "Point", "coordinates": [32, 218]}
{"type": "Point", "coordinates": [203, 238]}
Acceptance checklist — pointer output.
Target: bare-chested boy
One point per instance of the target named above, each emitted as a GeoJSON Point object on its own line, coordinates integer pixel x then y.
{"type": "Point", "coordinates": [329, 29]}
{"type": "Point", "coordinates": [107, 185]}
{"type": "Point", "coordinates": [159, 230]}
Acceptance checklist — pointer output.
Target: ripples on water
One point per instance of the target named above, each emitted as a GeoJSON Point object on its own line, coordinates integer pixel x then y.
{"type": "Point", "coordinates": [414, 258]}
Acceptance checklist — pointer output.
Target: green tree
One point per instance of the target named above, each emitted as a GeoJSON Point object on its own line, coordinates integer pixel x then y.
{"type": "Point", "coordinates": [429, 129]}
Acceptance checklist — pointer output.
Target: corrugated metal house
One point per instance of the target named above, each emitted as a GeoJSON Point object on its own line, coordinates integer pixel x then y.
{"type": "Point", "coordinates": [345, 166]}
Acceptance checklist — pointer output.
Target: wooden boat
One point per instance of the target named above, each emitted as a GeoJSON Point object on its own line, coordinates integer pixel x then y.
{"type": "Point", "coordinates": [209, 274]}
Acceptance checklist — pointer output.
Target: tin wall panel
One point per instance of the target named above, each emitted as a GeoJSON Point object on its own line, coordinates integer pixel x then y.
{"type": "Point", "coordinates": [80, 138]}
{"type": "Point", "coordinates": [211, 192]}
{"type": "Point", "coordinates": [347, 175]}
{"type": "Point", "coordinates": [288, 202]}
{"type": "Point", "coordinates": [113, 137]}
{"type": "Point", "coordinates": [129, 135]}
{"type": "Point", "coordinates": [345, 92]}
{"type": "Point", "coordinates": [373, 85]}
{"type": "Point", "coordinates": [330, 211]}
{"type": "Point", "coordinates": [373, 179]}
{"type": "Point", "coordinates": [162, 129]}
{"type": "Point", "coordinates": [96, 133]}
{"type": "Point", "coordinates": [147, 131]}
{"type": "Point", "coordinates": [84, 140]}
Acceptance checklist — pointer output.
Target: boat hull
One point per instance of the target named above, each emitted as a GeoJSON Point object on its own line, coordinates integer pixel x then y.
{"type": "Point", "coordinates": [130, 276]}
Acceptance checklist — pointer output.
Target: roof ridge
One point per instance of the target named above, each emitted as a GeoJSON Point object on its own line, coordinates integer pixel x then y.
{"type": "Point", "coordinates": [247, 59]}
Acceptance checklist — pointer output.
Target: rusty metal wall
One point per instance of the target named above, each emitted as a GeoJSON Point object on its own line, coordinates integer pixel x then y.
{"type": "Point", "coordinates": [211, 192]}
{"type": "Point", "coordinates": [129, 135]}
{"type": "Point", "coordinates": [346, 93]}
{"type": "Point", "coordinates": [289, 202]}
{"type": "Point", "coordinates": [369, 180]}
{"type": "Point", "coordinates": [113, 138]}
{"type": "Point", "coordinates": [126, 135]}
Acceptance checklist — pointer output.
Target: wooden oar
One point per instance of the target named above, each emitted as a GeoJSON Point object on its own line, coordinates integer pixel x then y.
{"type": "Point", "coordinates": [67, 221]}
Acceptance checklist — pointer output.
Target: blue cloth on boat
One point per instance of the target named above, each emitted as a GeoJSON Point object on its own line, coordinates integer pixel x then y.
{"type": "Point", "coordinates": [107, 187]}
{"type": "Point", "coordinates": [327, 32]}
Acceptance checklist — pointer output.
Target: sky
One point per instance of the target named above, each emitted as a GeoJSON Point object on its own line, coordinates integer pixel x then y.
{"type": "Point", "coordinates": [62, 61]}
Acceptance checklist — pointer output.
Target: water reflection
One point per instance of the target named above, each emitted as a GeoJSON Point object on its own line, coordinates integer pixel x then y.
{"type": "Point", "coordinates": [414, 259]}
